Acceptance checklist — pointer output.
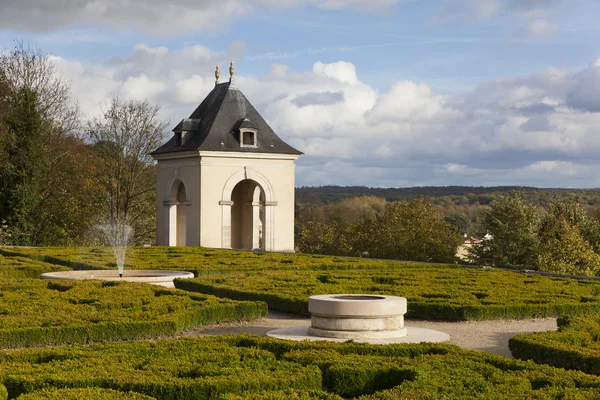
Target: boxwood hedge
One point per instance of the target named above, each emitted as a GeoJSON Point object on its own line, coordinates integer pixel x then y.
{"type": "Point", "coordinates": [264, 368]}
{"type": "Point", "coordinates": [35, 312]}
{"type": "Point", "coordinates": [576, 345]}
{"type": "Point", "coordinates": [284, 395]}
{"type": "Point", "coordinates": [24, 267]}
{"type": "Point", "coordinates": [440, 292]}
{"type": "Point", "coordinates": [198, 260]}
{"type": "Point", "coordinates": [84, 393]}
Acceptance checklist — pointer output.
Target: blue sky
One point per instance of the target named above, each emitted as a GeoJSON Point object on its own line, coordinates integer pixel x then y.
{"type": "Point", "coordinates": [376, 93]}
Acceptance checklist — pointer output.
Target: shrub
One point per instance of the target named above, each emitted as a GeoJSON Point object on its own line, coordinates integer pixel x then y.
{"type": "Point", "coordinates": [3, 392]}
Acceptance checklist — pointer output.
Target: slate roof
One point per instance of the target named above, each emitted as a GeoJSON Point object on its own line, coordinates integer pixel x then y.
{"type": "Point", "coordinates": [215, 125]}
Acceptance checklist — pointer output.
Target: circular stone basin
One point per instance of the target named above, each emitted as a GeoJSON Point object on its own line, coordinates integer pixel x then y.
{"type": "Point", "coordinates": [161, 278]}
{"type": "Point", "coordinates": [357, 316]}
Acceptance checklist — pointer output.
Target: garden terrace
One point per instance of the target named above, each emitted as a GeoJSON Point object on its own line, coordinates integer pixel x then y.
{"type": "Point", "coordinates": [574, 346]}
{"type": "Point", "coordinates": [35, 312]}
{"type": "Point", "coordinates": [221, 367]}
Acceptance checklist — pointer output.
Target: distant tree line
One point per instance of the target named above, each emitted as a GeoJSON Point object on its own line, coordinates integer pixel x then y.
{"type": "Point", "coordinates": [59, 175]}
{"type": "Point", "coordinates": [559, 235]}
{"type": "Point", "coordinates": [372, 227]}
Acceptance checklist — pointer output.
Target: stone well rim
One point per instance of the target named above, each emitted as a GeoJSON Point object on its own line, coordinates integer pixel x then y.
{"type": "Point", "coordinates": [354, 305]}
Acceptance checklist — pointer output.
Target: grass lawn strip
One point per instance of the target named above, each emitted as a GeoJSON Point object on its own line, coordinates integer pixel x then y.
{"type": "Point", "coordinates": [245, 365]}
{"type": "Point", "coordinates": [35, 312]}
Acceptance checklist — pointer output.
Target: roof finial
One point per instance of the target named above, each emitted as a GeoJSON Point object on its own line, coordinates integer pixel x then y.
{"type": "Point", "coordinates": [217, 75]}
{"type": "Point", "coordinates": [231, 71]}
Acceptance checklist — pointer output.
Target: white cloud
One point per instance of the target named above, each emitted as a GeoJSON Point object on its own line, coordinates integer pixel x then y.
{"type": "Point", "coordinates": [154, 17]}
{"type": "Point", "coordinates": [539, 129]}
{"type": "Point", "coordinates": [341, 71]}
{"type": "Point", "coordinates": [141, 87]}
{"type": "Point", "coordinates": [539, 27]}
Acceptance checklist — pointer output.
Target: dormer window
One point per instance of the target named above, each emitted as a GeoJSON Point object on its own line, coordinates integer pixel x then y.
{"type": "Point", "coordinates": [248, 138]}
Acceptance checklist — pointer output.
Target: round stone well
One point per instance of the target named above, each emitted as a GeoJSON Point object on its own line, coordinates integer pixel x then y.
{"type": "Point", "coordinates": [376, 319]}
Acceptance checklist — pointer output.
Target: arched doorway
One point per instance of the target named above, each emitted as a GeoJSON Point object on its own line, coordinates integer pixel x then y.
{"type": "Point", "coordinates": [178, 205]}
{"type": "Point", "coordinates": [247, 215]}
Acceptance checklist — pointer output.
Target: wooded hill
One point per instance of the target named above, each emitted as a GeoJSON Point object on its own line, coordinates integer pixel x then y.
{"type": "Point", "coordinates": [445, 195]}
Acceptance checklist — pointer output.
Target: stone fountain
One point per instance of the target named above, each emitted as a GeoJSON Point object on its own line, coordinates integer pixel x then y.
{"type": "Point", "coordinates": [367, 318]}
{"type": "Point", "coordinates": [118, 236]}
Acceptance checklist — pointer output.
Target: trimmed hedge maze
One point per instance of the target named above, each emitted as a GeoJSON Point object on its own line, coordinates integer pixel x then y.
{"type": "Point", "coordinates": [35, 312]}
{"type": "Point", "coordinates": [285, 281]}
{"type": "Point", "coordinates": [84, 393]}
{"type": "Point", "coordinates": [232, 367]}
{"type": "Point", "coordinates": [435, 292]}
{"type": "Point", "coordinates": [198, 260]}
{"type": "Point", "coordinates": [576, 345]}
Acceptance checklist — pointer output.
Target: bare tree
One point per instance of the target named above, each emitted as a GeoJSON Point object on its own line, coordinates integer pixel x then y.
{"type": "Point", "coordinates": [30, 69]}
{"type": "Point", "coordinates": [123, 138]}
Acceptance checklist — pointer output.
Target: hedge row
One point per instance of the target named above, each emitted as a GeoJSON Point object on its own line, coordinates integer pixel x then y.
{"type": "Point", "coordinates": [576, 345]}
{"type": "Point", "coordinates": [198, 260]}
{"type": "Point", "coordinates": [284, 395]}
{"type": "Point", "coordinates": [36, 312]}
{"type": "Point", "coordinates": [3, 392]}
{"type": "Point", "coordinates": [245, 366]}
{"type": "Point", "coordinates": [169, 369]}
{"type": "Point", "coordinates": [440, 292]}
{"type": "Point", "coordinates": [15, 267]}
{"type": "Point", "coordinates": [84, 393]}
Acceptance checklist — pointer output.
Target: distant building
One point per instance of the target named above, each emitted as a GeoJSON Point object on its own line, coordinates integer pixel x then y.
{"type": "Point", "coordinates": [463, 250]}
{"type": "Point", "coordinates": [225, 179]}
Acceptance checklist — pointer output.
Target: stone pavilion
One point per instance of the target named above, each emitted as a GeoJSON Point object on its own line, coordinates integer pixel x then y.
{"type": "Point", "coordinates": [225, 179]}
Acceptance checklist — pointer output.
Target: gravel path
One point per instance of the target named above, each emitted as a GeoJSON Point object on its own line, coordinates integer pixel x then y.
{"type": "Point", "coordinates": [490, 336]}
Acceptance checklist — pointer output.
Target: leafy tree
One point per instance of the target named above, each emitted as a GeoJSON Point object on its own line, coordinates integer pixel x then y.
{"type": "Point", "coordinates": [36, 113]}
{"type": "Point", "coordinates": [409, 230]}
{"type": "Point", "coordinates": [459, 223]}
{"type": "Point", "coordinates": [123, 138]}
{"type": "Point", "coordinates": [514, 227]}
{"type": "Point", "coordinates": [320, 238]}
{"type": "Point", "coordinates": [357, 209]}
{"type": "Point", "coordinates": [564, 248]}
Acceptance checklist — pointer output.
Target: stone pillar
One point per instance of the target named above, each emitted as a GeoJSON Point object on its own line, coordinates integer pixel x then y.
{"type": "Point", "coordinates": [226, 225]}
{"type": "Point", "coordinates": [269, 225]}
{"type": "Point", "coordinates": [172, 224]}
